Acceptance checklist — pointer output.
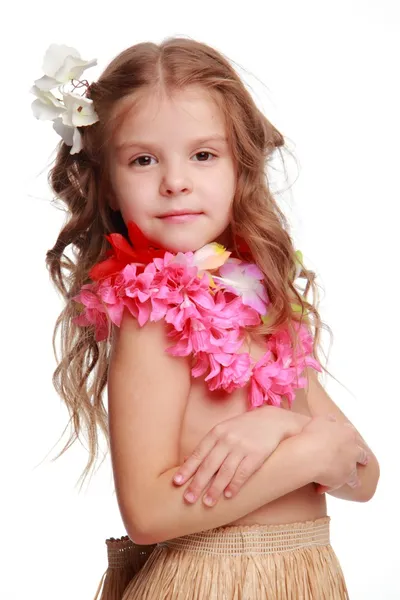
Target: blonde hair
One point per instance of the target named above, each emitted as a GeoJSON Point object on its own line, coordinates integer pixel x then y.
{"type": "Point", "coordinates": [81, 182]}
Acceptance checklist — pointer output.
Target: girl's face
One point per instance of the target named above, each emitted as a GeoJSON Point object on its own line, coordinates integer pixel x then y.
{"type": "Point", "coordinates": [172, 170]}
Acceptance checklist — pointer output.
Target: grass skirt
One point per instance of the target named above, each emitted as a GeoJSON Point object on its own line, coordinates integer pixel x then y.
{"type": "Point", "coordinates": [250, 562]}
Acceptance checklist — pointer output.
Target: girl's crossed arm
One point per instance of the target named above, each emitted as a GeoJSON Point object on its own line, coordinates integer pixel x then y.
{"type": "Point", "coordinates": [147, 396]}
{"type": "Point", "coordinates": [321, 404]}
{"type": "Point", "coordinates": [234, 450]}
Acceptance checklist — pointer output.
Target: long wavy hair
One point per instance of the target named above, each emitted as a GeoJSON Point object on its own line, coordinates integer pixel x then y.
{"type": "Point", "coordinates": [81, 182]}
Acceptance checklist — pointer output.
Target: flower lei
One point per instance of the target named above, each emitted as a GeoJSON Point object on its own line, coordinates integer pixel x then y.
{"type": "Point", "coordinates": [69, 110]}
{"type": "Point", "coordinates": [207, 298]}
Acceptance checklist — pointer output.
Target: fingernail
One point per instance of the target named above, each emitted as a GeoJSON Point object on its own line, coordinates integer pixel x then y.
{"type": "Point", "coordinates": [228, 494]}
{"type": "Point", "coordinates": [190, 497]}
{"type": "Point", "coordinates": [178, 478]}
{"type": "Point", "coordinates": [208, 500]}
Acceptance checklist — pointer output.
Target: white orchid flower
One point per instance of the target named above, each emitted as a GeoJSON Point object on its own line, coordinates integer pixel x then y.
{"type": "Point", "coordinates": [70, 135]}
{"type": "Point", "coordinates": [46, 106]}
{"type": "Point", "coordinates": [61, 64]}
{"type": "Point", "coordinates": [245, 280]}
{"type": "Point", "coordinates": [79, 110]}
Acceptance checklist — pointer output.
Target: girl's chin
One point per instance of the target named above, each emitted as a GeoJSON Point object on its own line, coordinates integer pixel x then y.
{"type": "Point", "coordinates": [184, 245]}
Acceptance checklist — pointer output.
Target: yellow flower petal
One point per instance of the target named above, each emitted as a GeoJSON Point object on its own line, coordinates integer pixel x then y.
{"type": "Point", "coordinates": [211, 281]}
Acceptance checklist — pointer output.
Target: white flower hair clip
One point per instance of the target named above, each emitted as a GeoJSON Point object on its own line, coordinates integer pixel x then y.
{"type": "Point", "coordinates": [61, 65]}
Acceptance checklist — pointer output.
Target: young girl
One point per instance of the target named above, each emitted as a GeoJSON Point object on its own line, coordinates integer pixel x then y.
{"type": "Point", "coordinates": [183, 298]}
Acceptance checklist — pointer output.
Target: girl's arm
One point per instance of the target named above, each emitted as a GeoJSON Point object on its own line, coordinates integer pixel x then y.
{"type": "Point", "coordinates": [320, 404]}
{"type": "Point", "coordinates": [290, 467]}
{"type": "Point", "coordinates": [147, 396]}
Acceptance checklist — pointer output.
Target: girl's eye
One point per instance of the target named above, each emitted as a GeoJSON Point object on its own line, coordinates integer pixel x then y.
{"type": "Point", "coordinates": [203, 156]}
{"type": "Point", "coordinates": [141, 161]}
{"type": "Point", "coordinates": [145, 160]}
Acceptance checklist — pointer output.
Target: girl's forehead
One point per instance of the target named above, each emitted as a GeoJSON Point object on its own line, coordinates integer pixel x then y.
{"type": "Point", "coordinates": [192, 108]}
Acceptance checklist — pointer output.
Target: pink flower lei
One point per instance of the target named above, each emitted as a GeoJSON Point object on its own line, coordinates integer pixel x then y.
{"type": "Point", "coordinates": [207, 299]}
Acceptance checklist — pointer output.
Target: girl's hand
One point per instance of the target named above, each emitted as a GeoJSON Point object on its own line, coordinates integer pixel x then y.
{"type": "Point", "coordinates": [234, 449]}
{"type": "Point", "coordinates": [338, 450]}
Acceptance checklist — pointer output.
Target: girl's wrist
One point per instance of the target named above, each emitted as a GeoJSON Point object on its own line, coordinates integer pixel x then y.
{"type": "Point", "coordinates": [297, 424]}
{"type": "Point", "coordinates": [292, 423]}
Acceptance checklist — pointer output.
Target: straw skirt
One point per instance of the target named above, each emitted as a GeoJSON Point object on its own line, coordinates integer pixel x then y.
{"type": "Point", "coordinates": [250, 562]}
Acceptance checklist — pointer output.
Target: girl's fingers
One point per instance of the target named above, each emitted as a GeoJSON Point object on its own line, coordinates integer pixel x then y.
{"type": "Point", "coordinates": [323, 489]}
{"type": "Point", "coordinates": [224, 476]}
{"type": "Point", "coordinates": [192, 463]}
{"type": "Point", "coordinates": [245, 469]}
{"type": "Point", "coordinates": [205, 472]}
{"type": "Point", "coordinates": [354, 480]}
{"type": "Point", "coordinates": [363, 457]}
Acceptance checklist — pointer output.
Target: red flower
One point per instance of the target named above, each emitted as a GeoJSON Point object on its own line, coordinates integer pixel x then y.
{"type": "Point", "coordinates": [141, 251]}
{"type": "Point", "coordinates": [243, 248]}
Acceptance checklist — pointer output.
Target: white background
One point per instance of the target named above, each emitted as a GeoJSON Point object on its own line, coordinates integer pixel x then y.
{"type": "Point", "coordinates": [330, 83]}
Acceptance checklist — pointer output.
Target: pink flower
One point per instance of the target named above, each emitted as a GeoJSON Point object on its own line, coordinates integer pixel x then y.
{"type": "Point", "coordinates": [112, 291]}
{"type": "Point", "coordinates": [279, 372]}
{"type": "Point", "coordinates": [230, 312]}
{"type": "Point", "coordinates": [94, 312]}
{"type": "Point", "coordinates": [142, 298]}
{"type": "Point", "coordinates": [179, 315]}
{"type": "Point", "coordinates": [200, 335]}
{"type": "Point", "coordinates": [281, 345]}
{"type": "Point", "coordinates": [94, 318]}
{"type": "Point", "coordinates": [270, 379]}
{"type": "Point", "coordinates": [177, 273]}
{"type": "Point", "coordinates": [102, 301]}
{"type": "Point", "coordinates": [225, 371]}
{"type": "Point", "coordinates": [193, 337]}
{"type": "Point", "coordinates": [228, 371]}
{"type": "Point", "coordinates": [183, 289]}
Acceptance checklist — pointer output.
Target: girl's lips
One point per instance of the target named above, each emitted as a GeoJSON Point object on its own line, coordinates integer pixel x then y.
{"type": "Point", "coordinates": [181, 218]}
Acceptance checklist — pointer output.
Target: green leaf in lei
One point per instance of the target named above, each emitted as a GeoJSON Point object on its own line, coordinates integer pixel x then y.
{"type": "Point", "coordinates": [298, 308]}
{"type": "Point", "coordinates": [299, 256]}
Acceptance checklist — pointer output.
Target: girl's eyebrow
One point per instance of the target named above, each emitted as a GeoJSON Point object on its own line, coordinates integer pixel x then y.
{"type": "Point", "coordinates": [201, 141]}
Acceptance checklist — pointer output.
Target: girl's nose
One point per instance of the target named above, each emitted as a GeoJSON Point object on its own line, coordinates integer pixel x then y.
{"type": "Point", "coordinates": [175, 183]}
{"type": "Point", "coordinates": [174, 190]}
